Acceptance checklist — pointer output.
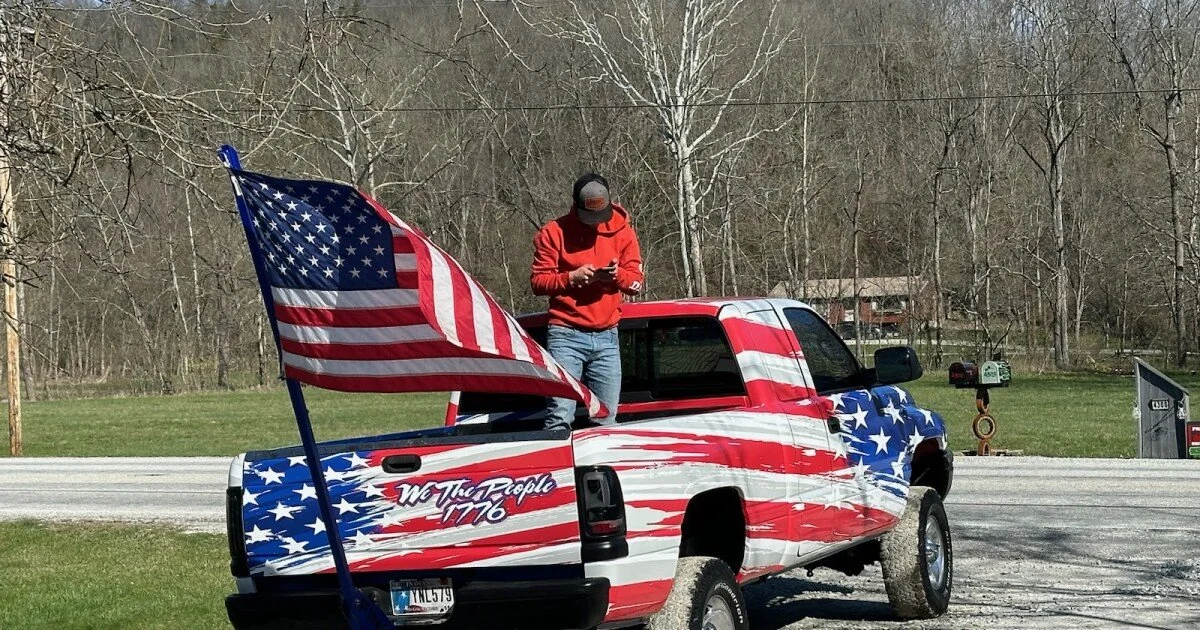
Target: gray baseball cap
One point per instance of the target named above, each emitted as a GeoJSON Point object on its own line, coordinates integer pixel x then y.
{"type": "Point", "coordinates": [594, 205]}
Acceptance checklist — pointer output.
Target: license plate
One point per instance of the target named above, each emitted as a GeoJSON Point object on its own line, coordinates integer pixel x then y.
{"type": "Point", "coordinates": [422, 601]}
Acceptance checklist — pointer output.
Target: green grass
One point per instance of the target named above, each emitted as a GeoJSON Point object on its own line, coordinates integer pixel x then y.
{"type": "Point", "coordinates": [218, 423]}
{"type": "Point", "coordinates": [111, 576]}
{"type": "Point", "coordinates": [1064, 415]}
{"type": "Point", "coordinates": [1073, 415]}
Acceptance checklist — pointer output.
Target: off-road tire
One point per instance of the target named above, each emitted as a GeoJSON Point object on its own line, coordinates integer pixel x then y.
{"type": "Point", "coordinates": [906, 572]}
{"type": "Point", "coordinates": [697, 579]}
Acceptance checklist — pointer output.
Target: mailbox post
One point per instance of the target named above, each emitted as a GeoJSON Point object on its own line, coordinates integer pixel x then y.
{"type": "Point", "coordinates": [982, 377]}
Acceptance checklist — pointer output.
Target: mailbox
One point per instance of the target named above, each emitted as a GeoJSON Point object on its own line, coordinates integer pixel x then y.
{"type": "Point", "coordinates": [969, 375]}
{"type": "Point", "coordinates": [964, 375]}
{"type": "Point", "coordinates": [1163, 410]}
{"type": "Point", "coordinates": [995, 374]}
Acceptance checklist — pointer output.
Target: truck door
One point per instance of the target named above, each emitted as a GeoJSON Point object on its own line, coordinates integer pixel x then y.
{"type": "Point", "coordinates": [865, 433]}
{"type": "Point", "coordinates": [774, 371]}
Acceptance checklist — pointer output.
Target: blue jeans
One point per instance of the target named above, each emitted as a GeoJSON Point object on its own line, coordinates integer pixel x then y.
{"type": "Point", "coordinates": [593, 357]}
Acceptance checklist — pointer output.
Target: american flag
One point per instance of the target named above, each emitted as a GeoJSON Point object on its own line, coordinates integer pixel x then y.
{"type": "Point", "coordinates": [362, 301]}
{"type": "Point", "coordinates": [881, 429]}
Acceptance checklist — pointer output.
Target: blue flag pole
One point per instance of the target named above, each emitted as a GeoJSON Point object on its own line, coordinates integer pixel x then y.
{"type": "Point", "coordinates": [361, 612]}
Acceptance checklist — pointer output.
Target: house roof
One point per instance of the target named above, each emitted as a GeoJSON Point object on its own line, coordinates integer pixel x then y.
{"type": "Point", "coordinates": [838, 288]}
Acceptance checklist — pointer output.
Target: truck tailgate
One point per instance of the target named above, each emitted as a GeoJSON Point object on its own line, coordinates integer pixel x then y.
{"type": "Point", "coordinates": [420, 504]}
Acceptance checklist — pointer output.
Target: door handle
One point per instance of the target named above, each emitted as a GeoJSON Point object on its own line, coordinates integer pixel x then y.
{"type": "Point", "coordinates": [401, 464]}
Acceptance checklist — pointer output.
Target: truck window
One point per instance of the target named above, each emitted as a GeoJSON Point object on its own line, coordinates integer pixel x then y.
{"type": "Point", "coordinates": [830, 362]}
{"type": "Point", "coordinates": [673, 358]}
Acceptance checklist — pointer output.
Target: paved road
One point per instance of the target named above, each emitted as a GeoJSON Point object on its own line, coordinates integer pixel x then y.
{"type": "Point", "coordinates": [1039, 543]}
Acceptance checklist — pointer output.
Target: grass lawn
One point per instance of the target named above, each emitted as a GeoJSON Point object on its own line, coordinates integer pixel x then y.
{"type": "Point", "coordinates": [217, 423]}
{"type": "Point", "coordinates": [1074, 415]}
{"type": "Point", "coordinates": [111, 576]}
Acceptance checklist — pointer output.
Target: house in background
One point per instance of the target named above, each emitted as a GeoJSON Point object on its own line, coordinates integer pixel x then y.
{"type": "Point", "coordinates": [888, 303]}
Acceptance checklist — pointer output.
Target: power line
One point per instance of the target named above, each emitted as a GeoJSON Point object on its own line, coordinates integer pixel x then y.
{"type": "Point", "coordinates": [315, 109]}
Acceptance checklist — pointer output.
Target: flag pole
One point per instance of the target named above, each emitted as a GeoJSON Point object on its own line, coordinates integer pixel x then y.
{"type": "Point", "coordinates": [360, 611]}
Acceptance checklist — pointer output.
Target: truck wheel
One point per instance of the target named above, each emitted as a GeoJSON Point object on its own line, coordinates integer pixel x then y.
{"type": "Point", "coordinates": [918, 558]}
{"type": "Point", "coordinates": [706, 596]}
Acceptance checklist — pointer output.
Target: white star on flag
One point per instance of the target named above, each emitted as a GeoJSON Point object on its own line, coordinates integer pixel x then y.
{"type": "Point", "coordinates": [317, 526]}
{"type": "Point", "coordinates": [860, 418]}
{"type": "Point", "coordinates": [361, 539]}
{"type": "Point", "coordinates": [294, 546]}
{"type": "Point", "coordinates": [356, 461]}
{"type": "Point", "coordinates": [371, 490]}
{"type": "Point", "coordinates": [892, 411]}
{"type": "Point", "coordinates": [258, 535]}
{"type": "Point", "coordinates": [296, 461]}
{"type": "Point", "coordinates": [251, 498]}
{"type": "Point", "coordinates": [269, 476]}
{"type": "Point", "coordinates": [881, 440]}
{"type": "Point", "coordinates": [306, 492]}
{"type": "Point", "coordinates": [282, 511]}
{"type": "Point", "coordinates": [346, 506]}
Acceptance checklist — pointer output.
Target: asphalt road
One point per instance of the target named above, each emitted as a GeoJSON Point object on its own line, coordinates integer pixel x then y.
{"type": "Point", "coordinates": [1038, 543]}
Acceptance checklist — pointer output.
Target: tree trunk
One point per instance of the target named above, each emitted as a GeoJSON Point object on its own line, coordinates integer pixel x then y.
{"type": "Point", "coordinates": [1178, 226]}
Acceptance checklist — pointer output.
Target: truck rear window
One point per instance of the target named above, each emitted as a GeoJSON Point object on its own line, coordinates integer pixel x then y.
{"type": "Point", "coordinates": [670, 358]}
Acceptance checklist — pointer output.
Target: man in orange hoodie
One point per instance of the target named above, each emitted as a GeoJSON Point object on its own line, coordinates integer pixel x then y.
{"type": "Point", "coordinates": [586, 261]}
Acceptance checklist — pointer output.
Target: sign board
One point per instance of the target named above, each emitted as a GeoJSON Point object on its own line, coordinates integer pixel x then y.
{"type": "Point", "coordinates": [1193, 439]}
{"type": "Point", "coordinates": [1162, 411]}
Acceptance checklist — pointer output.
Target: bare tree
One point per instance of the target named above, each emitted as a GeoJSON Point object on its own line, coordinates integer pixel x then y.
{"type": "Point", "coordinates": [688, 64]}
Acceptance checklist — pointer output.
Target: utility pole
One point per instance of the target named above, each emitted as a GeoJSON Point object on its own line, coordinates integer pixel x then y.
{"type": "Point", "coordinates": [8, 257]}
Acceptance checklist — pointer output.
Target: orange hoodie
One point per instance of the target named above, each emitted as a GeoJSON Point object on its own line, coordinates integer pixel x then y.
{"type": "Point", "coordinates": [565, 244]}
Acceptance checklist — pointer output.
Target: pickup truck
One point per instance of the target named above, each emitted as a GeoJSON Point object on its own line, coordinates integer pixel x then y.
{"type": "Point", "coordinates": [750, 441]}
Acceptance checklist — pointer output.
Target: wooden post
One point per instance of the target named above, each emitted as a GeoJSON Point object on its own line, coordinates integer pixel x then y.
{"type": "Point", "coordinates": [8, 268]}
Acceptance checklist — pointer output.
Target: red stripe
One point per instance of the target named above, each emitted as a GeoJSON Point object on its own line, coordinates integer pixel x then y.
{"type": "Point", "coordinates": [814, 522]}
{"type": "Point", "coordinates": [379, 351]}
{"type": "Point", "coordinates": [402, 245]}
{"type": "Point", "coordinates": [350, 317]}
{"type": "Point", "coordinates": [408, 279]}
{"type": "Point", "coordinates": [734, 452]}
{"type": "Point", "coordinates": [464, 303]}
{"type": "Point", "coordinates": [633, 601]}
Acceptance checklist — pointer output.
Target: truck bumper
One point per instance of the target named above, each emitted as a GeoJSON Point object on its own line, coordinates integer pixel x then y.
{"type": "Point", "coordinates": [536, 605]}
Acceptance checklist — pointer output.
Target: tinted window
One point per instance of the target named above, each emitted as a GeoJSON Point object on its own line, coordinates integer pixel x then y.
{"type": "Point", "coordinates": [661, 359]}
{"type": "Point", "coordinates": [830, 362]}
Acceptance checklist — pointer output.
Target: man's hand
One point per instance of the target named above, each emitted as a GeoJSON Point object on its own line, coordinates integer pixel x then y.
{"type": "Point", "coordinates": [607, 274]}
{"type": "Point", "coordinates": [582, 276]}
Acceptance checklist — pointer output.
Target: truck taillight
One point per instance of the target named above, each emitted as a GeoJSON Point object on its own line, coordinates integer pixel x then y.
{"type": "Point", "coordinates": [601, 506]}
{"type": "Point", "coordinates": [238, 563]}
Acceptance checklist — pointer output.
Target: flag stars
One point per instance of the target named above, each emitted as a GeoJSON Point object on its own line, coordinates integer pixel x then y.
{"type": "Point", "coordinates": [377, 229]}
{"type": "Point", "coordinates": [355, 272]}
{"type": "Point", "coordinates": [270, 476]}
{"type": "Point", "coordinates": [277, 196]}
{"type": "Point", "coordinates": [258, 535]}
{"type": "Point", "coordinates": [364, 240]}
{"type": "Point", "coordinates": [295, 227]}
{"type": "Point", "coordinates": [324, 250]}
{"type": "Point", "coordinates": [321, 228]}
{"type": "Point", "coordinates": [352, 250]}
{"type": "Point", "coordinates": [383, 273]}
{"type": "Point", "coordinates": [307, 216]}
{"type": "Point", "coordinates": [881, 440]}
{"type": "Point", "coordinates": [338, 262]}
{"type": "Point", "coordinates": [379, 250]}
{"type": "Point", "coordinates": [292, 205]}
{"type": "Point", "coordinates": [366, 261]}
{"type": "Point", "coordinates": [310, 237]}
{"type": "Point", "coordinates": [294, 546]}
{"type": "Point", "coordinates": [328, 272]}
{"type": "Point", "coordinates": [282, 511]}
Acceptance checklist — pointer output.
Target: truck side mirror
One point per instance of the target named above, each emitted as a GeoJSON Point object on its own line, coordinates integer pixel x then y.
{"type": "Point", "coordinates": [897, 364]}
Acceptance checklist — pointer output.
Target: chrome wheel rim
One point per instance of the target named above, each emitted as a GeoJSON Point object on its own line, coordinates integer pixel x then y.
{"type": "Point", "coordinates": [935, 554]}
{"type": "Point", "coordinates": [717, 614]}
